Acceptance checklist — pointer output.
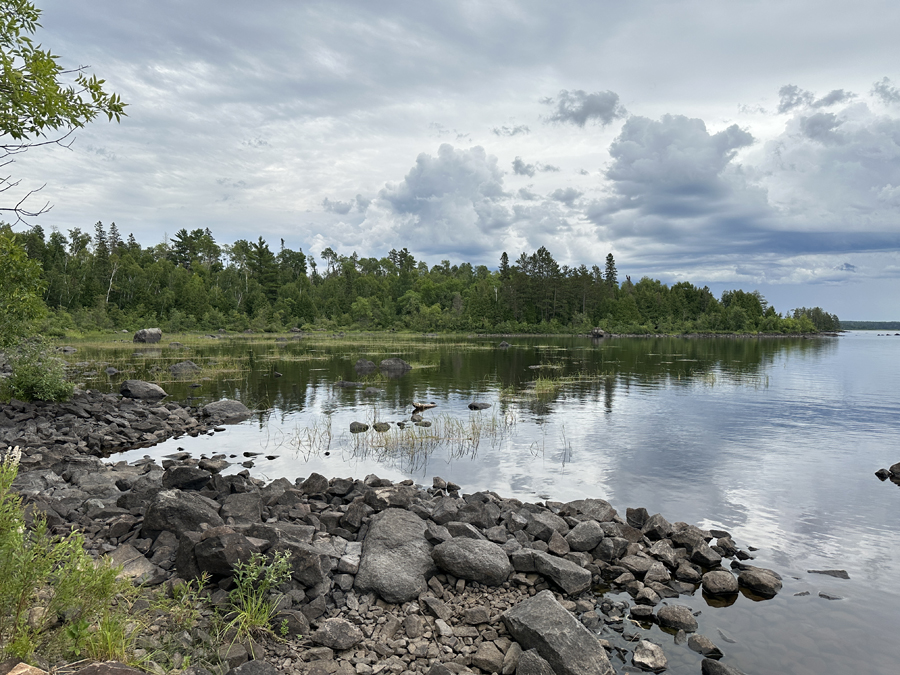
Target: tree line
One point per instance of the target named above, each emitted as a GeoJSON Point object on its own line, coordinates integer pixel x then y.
{"type": "Point", "coordinates": [100, 280]}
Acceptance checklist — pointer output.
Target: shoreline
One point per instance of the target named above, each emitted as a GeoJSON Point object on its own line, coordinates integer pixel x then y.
{"type": "Point", "coordinates": [446, 604]}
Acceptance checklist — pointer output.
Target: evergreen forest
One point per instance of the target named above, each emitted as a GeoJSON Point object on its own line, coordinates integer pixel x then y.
{"type": "Point", "coordinates": [99, 280]}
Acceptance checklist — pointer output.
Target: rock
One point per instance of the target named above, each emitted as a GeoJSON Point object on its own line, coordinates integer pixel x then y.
{"type": "Point", "coordinates": [104, 668]}
{"type": "Point", "coordinates": [337, 634]}
{"type": "Point", "coordinates": [255, 667]}
{"type": "Point", "coordinates": [176, 511]}
{"type": "Point", "coordinates": [541, 623]}
{"type": "Point", "coordinates": [488, 658]}
{"type": "Point", "coordinates": [358, 427]}
{"type": "Point", "coordinates": [703, 645]}
{"type": "Point", "coordinates": [837, 574]}
{"type": "Point", "coordinates": [221, 549]}
{"type": "Point", "coordinates": [638, 565]}
{"type": "Point", "coordinates": [148, 335]}
{"type": "Point", "coordinates": [185, 478]}
{"type": "Point", "coordinates": [648, 656]}
{"type": "Point", "coordinates": [760, 580]}
{"type": "Point", "coordinates": [315, 484]}
{"type": "Point", "coordinates": [883, 474]}
{"type": "Point", "coordinates": [719, 582]}
{"type": "Point", "coordinates": [711, 667]}
{"type": "Point", "coordinates": [504, 345]}
{"type": "Point", "coordinates": [479, 405]}
{"type": "Point", "coordinates": [705, 556]}
{"type": "Point", "coordinates": [678, 617]}
{"type": "Point", "coordinates": [543, 524]}
{"type": "Point", "coordinates": [381, 427]}
{"type": "Point", "coordinates": [567, 575]}
{"type": "Point", "coordinates": [396, 557]}
{"type": "Point", "coordinates": [111, 371]}
{"type": "Point", "coordinates": [184, 368]}
{"type": "Point", "coordinates": [656, 528]}
{"type": "Point", "coordinates": [364, 366]}
{"type": "Point", "coordinates": [476, 560]}
{"type": "Point", "coordinates": [585, 536]}
{"type": "Point", "coordinates": [511, 659]}
{"type": "Point", "coordinates": [136, 567]}
{"type": "Point", "coordinates": [895, 469]}
{"type": "Point", "coordinates": [296, 623]}
{"type": "Point", "coordinates": [394, 365]}
{"type": "Point", "coordinates": [636, 517]}
{"type": "Point", "coordinates": [141, 390]}
{"type": "Point", "coordinates": [227, 411]}
{"type": "Point", "coordinates": [531, 663]}
{"type": "Point", "coordinates": [598, 509]}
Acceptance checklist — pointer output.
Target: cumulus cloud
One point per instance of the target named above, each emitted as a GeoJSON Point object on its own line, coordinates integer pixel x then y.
{"type": "Point", "coordinates": [578, 107]}
{"type": "Point", "coordinates": [820, 127]}
{"type": "Point", "coordinates": [520, 168]}
{"type": "Point", "coordinates": [527, 195]}
{"type": "Point", "coordinates": [341, 208]}
{"type": "Point", "coordinates": [548, 167]}
{"type": "Point", "coordinates": [566, 195]}
{"type": "Point", "coordinates": [511, 131]}
{"type": "Point", "coordinates": [885, 90]}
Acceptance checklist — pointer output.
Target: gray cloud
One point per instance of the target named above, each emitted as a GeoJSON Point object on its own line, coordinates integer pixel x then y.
{"type": "Point", "coordinates": [885, 90]}
{"type": "Point", "coordinates": [341, 208]}
{"type": "Point", "coordinates": [566, 195]}
{"type": "Point", "coordinates": [820, 127]}
{"type": "Point", "coordinates": [548, 167]}
{"type": "Point", "coordinates": [520, 168]}
{"type": "Point", "coordinates": [527, 195]}
{"type": "Point", "coordinates": [578, 107]}
{"type": "Point", "coordinates": [511, 131]}
{"type": "Point", "coordinates": [792, 97]}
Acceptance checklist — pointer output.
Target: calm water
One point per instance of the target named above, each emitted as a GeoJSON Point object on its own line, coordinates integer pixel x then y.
{"type": "Point", "coordinates": [776, 441]}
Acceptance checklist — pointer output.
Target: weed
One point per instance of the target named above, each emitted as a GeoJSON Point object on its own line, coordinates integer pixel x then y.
{"type": "Point", "coordinates": [253, 603]}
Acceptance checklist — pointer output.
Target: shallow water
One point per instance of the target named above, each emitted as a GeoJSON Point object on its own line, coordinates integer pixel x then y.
{"type": "Point", "coordinates": [775, 441]}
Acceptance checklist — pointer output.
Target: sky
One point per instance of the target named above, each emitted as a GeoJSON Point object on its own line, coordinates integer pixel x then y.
{"type": "Point", "coordinates": [751, 144]}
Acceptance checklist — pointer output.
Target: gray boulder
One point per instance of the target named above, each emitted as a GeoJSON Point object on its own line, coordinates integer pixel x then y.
{"type": "Point", "coordinates": [703, 645]}
{"type": "Point", "coordinates": [176, 511]}
{"type": "Point", "coordinates": [711, 667]}
{"type": "Point", "coordinates": [585, 536]}
{"type": "Point", "coordinates": [760, 580]}
{"type": "Point", "coordinates": [543, 624]}
{"type": "Point", "coordinates": [648, 656]}
{"type": "Point", "coordinates": [139, 389]}
{"type": "Point", "coordinates": [221, 549]}
{"type": "Point", "coordinates": [543, 524]}
{"type": "Point", "coordinates": [677, 617]}
{"type": "Point", "coordinates": [184, 369]}
{"type": "Point", "coordinates": [185, 478]}
{"type": "Point", "coordinates": [473, 559]}
{"type": "Point", "coordinates": [479, 405]}
{"type": "Point", "coordinates": [531, 663]}
{"type": "Point", "coordinates": [564, 573]}
{"type": "Point", "coordinates": [396, 557]}
{"type": "Point", "coordinates": [719, 582]}
{"type": "Point", "coordinates": [148, 335]}
{"type": "Point", "coordinates": [337, 634]}
{"type": "Point", "coordinates": [364, 366]}
{"type": "Point", "coordinates": [598, 509]}
{"type": "Point", "coordinates": [227, 411]}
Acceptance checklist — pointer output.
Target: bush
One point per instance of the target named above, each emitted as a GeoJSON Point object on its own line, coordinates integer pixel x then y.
{"type": "Point", "coordinates": [53, 597]}
{"type": "Point", "coordinates": [253, 600]}
{"type": "Point", "coordinates": [37, 375]}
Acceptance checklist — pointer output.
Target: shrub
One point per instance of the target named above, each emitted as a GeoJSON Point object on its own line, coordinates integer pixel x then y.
{"type": "Point", "coordinates": [37, 375]}
{"type": "Point", "coordinates": [53, 596]}
{"type": "Point", "coordinates": [253, 600]}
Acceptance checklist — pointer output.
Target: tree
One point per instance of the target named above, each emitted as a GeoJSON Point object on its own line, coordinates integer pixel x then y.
{"type": "Point", "coordinates": [20, 289]}
{"type": "Point", "coordinates": [610, 273]}
{"type": "Point", "coordinates": [35, 98]}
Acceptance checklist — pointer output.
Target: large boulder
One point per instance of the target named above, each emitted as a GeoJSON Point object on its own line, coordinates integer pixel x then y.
{"type": "Point", "coordinates": [719, 582]}
{"type": "Point", "coordinates": [148, 335]}
{"type": "Point", "coordinates": [177, 511]}
{"type": "Point", "coordinates": [585, 536]}
{"type": "Point", "coordinates": [760, 580]}
{"type": "Point", "coordinates": [543, 624]}
{"type": "Point", "coordinates": [473, 559]}
{"type": "Point", "coordinates": [394, 367]}
{"type": "Point", "coordinates": [221, 549]}
{"type": "Point", "coordinates": [227, 411]}
{"type": "Point", "coordinates": [677, 617]}
{"type": "Point", "coordinates": [396, 557]}
{"type": "Point", "coordinates": [139, 389]}
{"type": "Point", "coordinates": [564, 573]}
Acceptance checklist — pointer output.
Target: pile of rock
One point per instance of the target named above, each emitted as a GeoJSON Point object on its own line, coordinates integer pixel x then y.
{"type": "Point", "coordinates": [394, 578]}
{"type": "Point", "coordinates": [99, 424]}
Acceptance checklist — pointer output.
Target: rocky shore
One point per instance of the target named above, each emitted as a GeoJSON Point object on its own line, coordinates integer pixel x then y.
{"type": "Point", "coordinates": [386, 578]}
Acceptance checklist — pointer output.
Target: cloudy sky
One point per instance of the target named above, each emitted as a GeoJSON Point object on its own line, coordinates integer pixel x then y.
{"type": "Point", "coordinates": [751, 144]}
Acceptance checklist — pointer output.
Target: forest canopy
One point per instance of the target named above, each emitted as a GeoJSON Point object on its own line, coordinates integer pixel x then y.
{"type": "Point", "coordinates": [100, 280]}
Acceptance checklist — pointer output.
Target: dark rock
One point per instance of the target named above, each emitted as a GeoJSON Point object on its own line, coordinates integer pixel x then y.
{"type": "Point", "coordinates": [315, 484]}
{"type": "Point", "coordinates": [243, 508]}
{"type": "Point", "coordinates": [148, 335]}
{"type": "Point", "coordinates": [598, 509]}
{"type": "Point", "coordinates": [895, 469]}
{"type": "Point", "coordinates": [488, 658]}
{"type": "Point", "coordinates": [610, 548]}
{"type": "Point", "coordinates": [141, 390]}
{"type": "Point", "coordinates": [396, 557]}
{"type": "Point", "coordinates": [394, 364]}
{"type": "Point", "coordinates": [703, 645]}
{"type": "Point", "coordinates": [636, 564]}
{"type": "Point", "coordinates": [136, 567]}
{"type": "Point", "coordinates": [479, 405]}
{"type": "Point", "coordinates": [221, 549]}
{"type": "Point", "coordinates": [837, 574]}
{"type": "Point", "coordinates": [296, 623]}
{"type": "Point", "coordinates": [185, 478]}
{"type": "Point", "coordinates": [255, 667]}
{"type": "Point", "coordinates": [464, 530]}
{"type": "Point", "coordinates": [337, 634]}
{"type": "Point", "coordinates": [883, 474]}
{"type": "Point", "coordinates": [531, 663]}
{"type": "Point", "coordinates": [678, 617]}
{"type": "Point", "coordinates": [227, 411]}
{"type": "Point", "coordinates": [719, 582]}
{"type": "Point", "coordinates": [585, 536]}
{"type": "Point", "coordinates": [541, 623]}
{"type": "Point", "coordinates": [381, 427]}
{"type": "Point", "coordinates": [358, 427]}
{"type": "Point", "coordinates": [705, 556]}
{"type": "Point", "coordinates": [184, 368]}
{"type": "Point", "coordinates": [543, 524]}
{"type": "Point", "coordinates": [636, 517]}
{"type": "Point", "coordinates": [480, 514]}
{"type": "Point", "coordinates": [364, 366]}
{"type": "Point", "coordinates": [106, 668]}
{"type": "Point", "coordinates": [656, 528]}
{"type": "Point", "coordinates": [711, 667]}
{"type": "Point", "coordinates": [177, 511]}
{"type": "Point", "coordinates": [111, 371]}
{"type": "Point", "coordinates": [567, 575]}
{"type": "Point", "coordinates": [398, 496]}
{"type": "Point", "coordinates": [760, 580]}
{"type": "Point", "coordinates": [476, 560]}
{"type": "Point", "coordinates": [438, 608]}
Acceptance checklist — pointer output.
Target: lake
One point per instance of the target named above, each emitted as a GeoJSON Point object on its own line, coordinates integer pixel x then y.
{"type": "Point", "coordinates": [774, 440]}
